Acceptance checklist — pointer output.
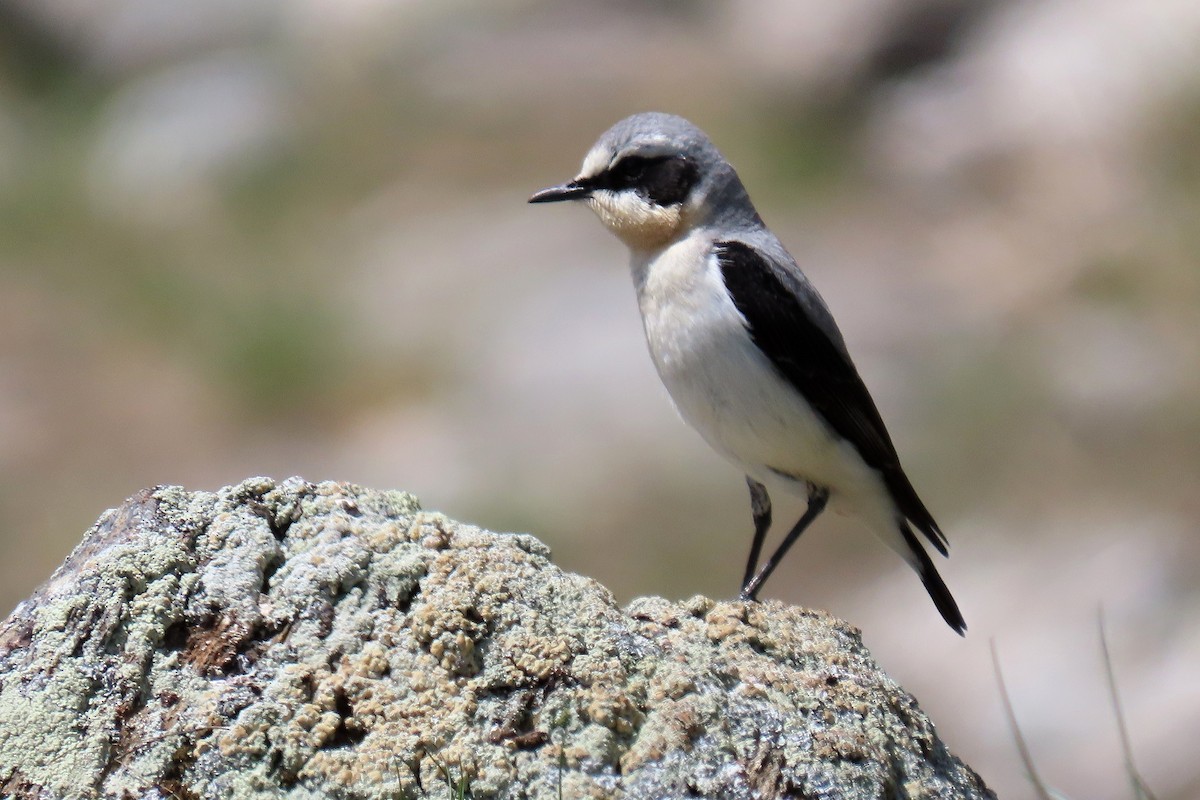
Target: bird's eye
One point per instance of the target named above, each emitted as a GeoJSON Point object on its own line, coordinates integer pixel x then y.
{"type": "Point", "coordinates": [663, 180]}
{"type": "Point", "coordinates": [630, 170]}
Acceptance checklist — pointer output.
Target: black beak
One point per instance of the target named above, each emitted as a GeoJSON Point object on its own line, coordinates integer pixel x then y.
{"type": "Point", "coordinates": [567, 191]}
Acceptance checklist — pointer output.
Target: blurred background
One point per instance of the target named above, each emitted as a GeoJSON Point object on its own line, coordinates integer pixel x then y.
{"type": "Point", "coordinates": [291, 238]}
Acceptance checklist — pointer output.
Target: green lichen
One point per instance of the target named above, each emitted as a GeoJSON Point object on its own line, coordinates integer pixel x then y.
{"type": "Point", "coordinates": [323, 640]}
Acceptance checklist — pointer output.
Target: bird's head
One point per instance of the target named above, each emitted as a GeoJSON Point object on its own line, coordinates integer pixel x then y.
{"type": "Point", "coordinates": [650, 178]}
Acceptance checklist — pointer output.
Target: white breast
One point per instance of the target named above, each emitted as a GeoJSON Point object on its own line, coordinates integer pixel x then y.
{"type": "Point", "coordinates": [723, 385]}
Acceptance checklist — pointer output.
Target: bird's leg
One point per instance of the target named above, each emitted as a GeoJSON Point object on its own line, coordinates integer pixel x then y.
{"type": "Point", "coordinates": [818, 496]}
{"type": "Point", "coordinates": [760, 507]}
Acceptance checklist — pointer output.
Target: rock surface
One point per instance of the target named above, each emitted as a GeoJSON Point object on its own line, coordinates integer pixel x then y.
{"type": "Point", "coordinates": [327, 641]}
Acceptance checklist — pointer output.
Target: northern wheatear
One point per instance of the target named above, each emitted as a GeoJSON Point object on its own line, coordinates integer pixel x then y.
{"type": "Point", "coordinates": [746, 347]}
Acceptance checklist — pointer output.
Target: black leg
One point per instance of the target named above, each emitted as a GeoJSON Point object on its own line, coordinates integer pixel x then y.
{"type": "Point", "coordinates": [760, 507]}
{"type": "Point", "coordinates": [817, 498]}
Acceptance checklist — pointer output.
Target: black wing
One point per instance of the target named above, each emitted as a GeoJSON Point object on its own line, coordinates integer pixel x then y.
{"type": "Point", "coordinates": [809, 358]}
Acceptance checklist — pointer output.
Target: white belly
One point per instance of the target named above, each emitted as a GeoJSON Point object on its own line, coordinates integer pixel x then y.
{"type": "Point", "coordinates": [724, 386]}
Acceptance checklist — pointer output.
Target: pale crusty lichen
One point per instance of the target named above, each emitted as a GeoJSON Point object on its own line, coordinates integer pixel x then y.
{"type": "Point", "coordinates": [323, 640]}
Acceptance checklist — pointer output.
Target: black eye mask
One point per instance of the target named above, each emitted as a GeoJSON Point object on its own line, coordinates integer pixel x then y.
{"type": "Point", "coordinates": [663, 180]}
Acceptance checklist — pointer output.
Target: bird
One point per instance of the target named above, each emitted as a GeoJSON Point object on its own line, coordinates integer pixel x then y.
{"type": "Point", "coordinates": [746, 347]}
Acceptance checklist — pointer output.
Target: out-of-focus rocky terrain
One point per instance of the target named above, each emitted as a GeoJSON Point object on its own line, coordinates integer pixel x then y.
{"type": "Point", "coordinates": [284, 238]}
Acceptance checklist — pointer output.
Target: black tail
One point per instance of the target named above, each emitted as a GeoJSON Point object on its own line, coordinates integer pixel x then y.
{"type": "Point", "coordinates": [934, 584]}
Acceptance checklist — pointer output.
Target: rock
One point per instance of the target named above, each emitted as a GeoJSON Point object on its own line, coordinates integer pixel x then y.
{"type": "Point", "coordinates": [328, 641]}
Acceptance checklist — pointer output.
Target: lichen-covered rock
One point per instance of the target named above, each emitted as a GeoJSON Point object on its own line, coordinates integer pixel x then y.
{"type": "Point", "coordinates": [327, 641]}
